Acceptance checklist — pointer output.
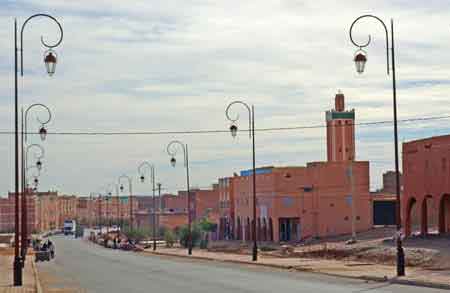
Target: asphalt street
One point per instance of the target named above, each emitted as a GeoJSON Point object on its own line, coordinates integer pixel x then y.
{"type": "Point", "coordinates": [85, 265]}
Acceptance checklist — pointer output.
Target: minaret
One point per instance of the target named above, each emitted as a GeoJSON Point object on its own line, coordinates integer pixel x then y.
{"type": "Point", "coordinates": [340, 132]}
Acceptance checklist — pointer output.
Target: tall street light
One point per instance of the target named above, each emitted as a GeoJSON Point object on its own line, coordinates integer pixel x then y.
{"type": "Point", "coordinates": [35, 177]}
{"type": "Point", "coordinates": [172, 151]}
{"type": "Point", "coordinates": [109, 188]}
{"type": "Point", "coordinates": [150, 168]}
{"type": "Point", "coordinates": [116, 187]}
{"type": "Point", "coordinates": [130, 189]}
{"type": "Point", "coordinates": [39, 154]}
{"type": "Point", "coordinates": [251, 133]}
{"type": "Point", "coordinates": [42, 131]}
{"type": "Point", "coordinates": [360, 60]}
{"type": "Point", "coordinates": [50, 61]}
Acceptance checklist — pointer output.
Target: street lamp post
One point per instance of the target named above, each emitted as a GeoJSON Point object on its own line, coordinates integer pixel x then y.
{"type": "Point", "coordinates": [108, 213]}
{"type": "Point", "coordinates": [99, 212]}
{"type": "Point", "coordinates": [172, 151]}
{"type": "Point", "coordinates": [251, 129]}
{"type": "Point", "coordinates": [42, 131]}
{"type": "Point", "coordinates": [130, 189]}
{"type": "Point", "coordinates": [360, 59]}
{"type": "Point", "coordinates": [25, 168]}
{"type": "Point", "coordinates": [141, 170]}
{"type": "Point", "coordinates": [109, 204]}
{"type": "Point", "coordinates": [50, 63]}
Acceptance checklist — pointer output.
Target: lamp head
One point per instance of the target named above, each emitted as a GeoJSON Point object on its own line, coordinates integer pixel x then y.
{"type": "Point", "coordinates": [39, 165]}
{"type": "Point", "coordinates": [233, 130]}
{"type": "Point", "coordinates": [50, 60]}
{"type": "Point", "coordinates": [360, 60]}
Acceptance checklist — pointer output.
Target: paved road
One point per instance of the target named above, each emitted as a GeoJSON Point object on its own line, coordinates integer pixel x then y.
{"type": "Point", "coordinates": [96, 269]}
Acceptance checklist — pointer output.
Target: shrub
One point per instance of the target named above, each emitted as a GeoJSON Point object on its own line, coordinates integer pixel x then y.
{"type": "Point", "coordinates": [183, 234]}
{"type": "Point", "coordinates": [204, 244]}
{"type": "Point", "coordinates": [207, 226]}
{"type": "Point", "coordinates": [169, 238]}
{"type": "Point", "coordinates": [136, 235]}
{"type": "Point", "coordinates": [267, 248]}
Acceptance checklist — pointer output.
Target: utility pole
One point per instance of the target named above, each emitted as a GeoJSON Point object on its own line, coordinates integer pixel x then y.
{"type": "Point", "coordinates": [159, 203]}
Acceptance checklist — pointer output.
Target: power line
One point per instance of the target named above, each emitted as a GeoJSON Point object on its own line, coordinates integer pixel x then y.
{"type": "Point", "coordinates": [212, 131]}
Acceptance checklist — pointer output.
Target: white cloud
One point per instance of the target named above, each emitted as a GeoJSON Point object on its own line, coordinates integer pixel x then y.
{"type": "Point", "coordinates": [174, 65]}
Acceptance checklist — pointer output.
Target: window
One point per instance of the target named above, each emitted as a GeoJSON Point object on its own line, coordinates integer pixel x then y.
{"type": "Point", "coordinates": [331, 204]}
{"type": "Point", "coordinates": [346, 218]}
{"type": "Point", "coordinates": [358, 218]}
{"type": "Point", "coordinates": [444, 164]}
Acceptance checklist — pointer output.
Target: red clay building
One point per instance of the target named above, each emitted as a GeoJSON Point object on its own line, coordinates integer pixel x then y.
{"type": "Point", "coordinates": [426, 175]}
{"type": "Point", "coordinates": [204, 204]}
{"type": "Point", "coordinates": [295, 203]}
{"type": "Point", "coordinates": [226, 208]}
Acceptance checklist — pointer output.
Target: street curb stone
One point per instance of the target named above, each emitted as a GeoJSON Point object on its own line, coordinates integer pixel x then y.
{"type": "Point", "coordinates": [36, 278]}
{"type": "Point", "coordinates": [394, 280]}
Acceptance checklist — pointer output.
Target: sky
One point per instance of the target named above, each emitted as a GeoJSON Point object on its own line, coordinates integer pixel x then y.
{"type": "Point", "coordinates": [130, 66]}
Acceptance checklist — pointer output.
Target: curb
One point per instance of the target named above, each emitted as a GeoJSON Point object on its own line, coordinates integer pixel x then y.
{"type": "Point", "coordinates": [394, 280]}
{"type": "Point", "coordinates": [420, 284]}
{"type": "Point", "coordinates": [36, 278]}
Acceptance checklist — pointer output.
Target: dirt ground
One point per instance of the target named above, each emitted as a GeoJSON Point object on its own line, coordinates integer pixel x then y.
{"type": "Point", "coordinates": [374, 246]}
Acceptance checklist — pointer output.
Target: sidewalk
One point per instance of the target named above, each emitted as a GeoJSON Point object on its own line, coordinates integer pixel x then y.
{"type": "Point", "coordinates": [6, 276]}
{"type": "Point", "coordinates": [357, 270]}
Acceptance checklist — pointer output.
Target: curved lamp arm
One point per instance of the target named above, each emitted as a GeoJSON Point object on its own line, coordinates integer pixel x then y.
{"type": "Point", "coordinates": [369, 39]}
{"type": "Point", "coordinates": [34, 167]}
{"type": "Point", "coordinates": [172, 149]}
{"type": "Point", "coordinates": [42, 122]}
{"type": "Point", "coordinates": [110, 186]}
{"type": "Point", "coordinates": [41, 150]}
{"type": "Point", "coordinates": [42, 38]}
{"type": "Point", "coordinates": [35, 176]}
{"type": "Point", "coordinates": [147, 166]}
{"type": "Point", "coordinates": [40, 156]}
{"type": "Point", "coordinates": [125, 177]}
{"type": "Point", "coordinates": [227, 113]}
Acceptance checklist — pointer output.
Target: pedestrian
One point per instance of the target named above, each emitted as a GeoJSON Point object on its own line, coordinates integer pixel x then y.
{"type": "Point", "coordinates": [44, 246]}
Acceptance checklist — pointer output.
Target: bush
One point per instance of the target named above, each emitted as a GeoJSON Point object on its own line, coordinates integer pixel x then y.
{"type": "Point", "coordinates": [169, 238]}
{"type": "Point", "coordinates": [207, 226]}
{"type": "Point", "coordinates": [267, 248]}
{"type": "Point", "coordinates": [136, 235]}
{"type": "Point", "coordinates": [204, 244]}
{"type": "Point", "coordinates": [183, 234]}
{"type": "Point", "coordinates": [162, 232]}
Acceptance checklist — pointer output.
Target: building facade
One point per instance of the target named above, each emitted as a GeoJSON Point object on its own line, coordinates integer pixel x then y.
{"type": "Point", "coordinates": [426, 175]}
{"type": "Point", "coordinates": [226, 208]}
{"type": "Point", "coordinates": [317, 200]}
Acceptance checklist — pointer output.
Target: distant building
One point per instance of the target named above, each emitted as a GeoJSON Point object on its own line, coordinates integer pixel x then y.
{"type": "Point", "coordinates": [390, 183]}
{"type": "Point", "coordinates": [173, 213]}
